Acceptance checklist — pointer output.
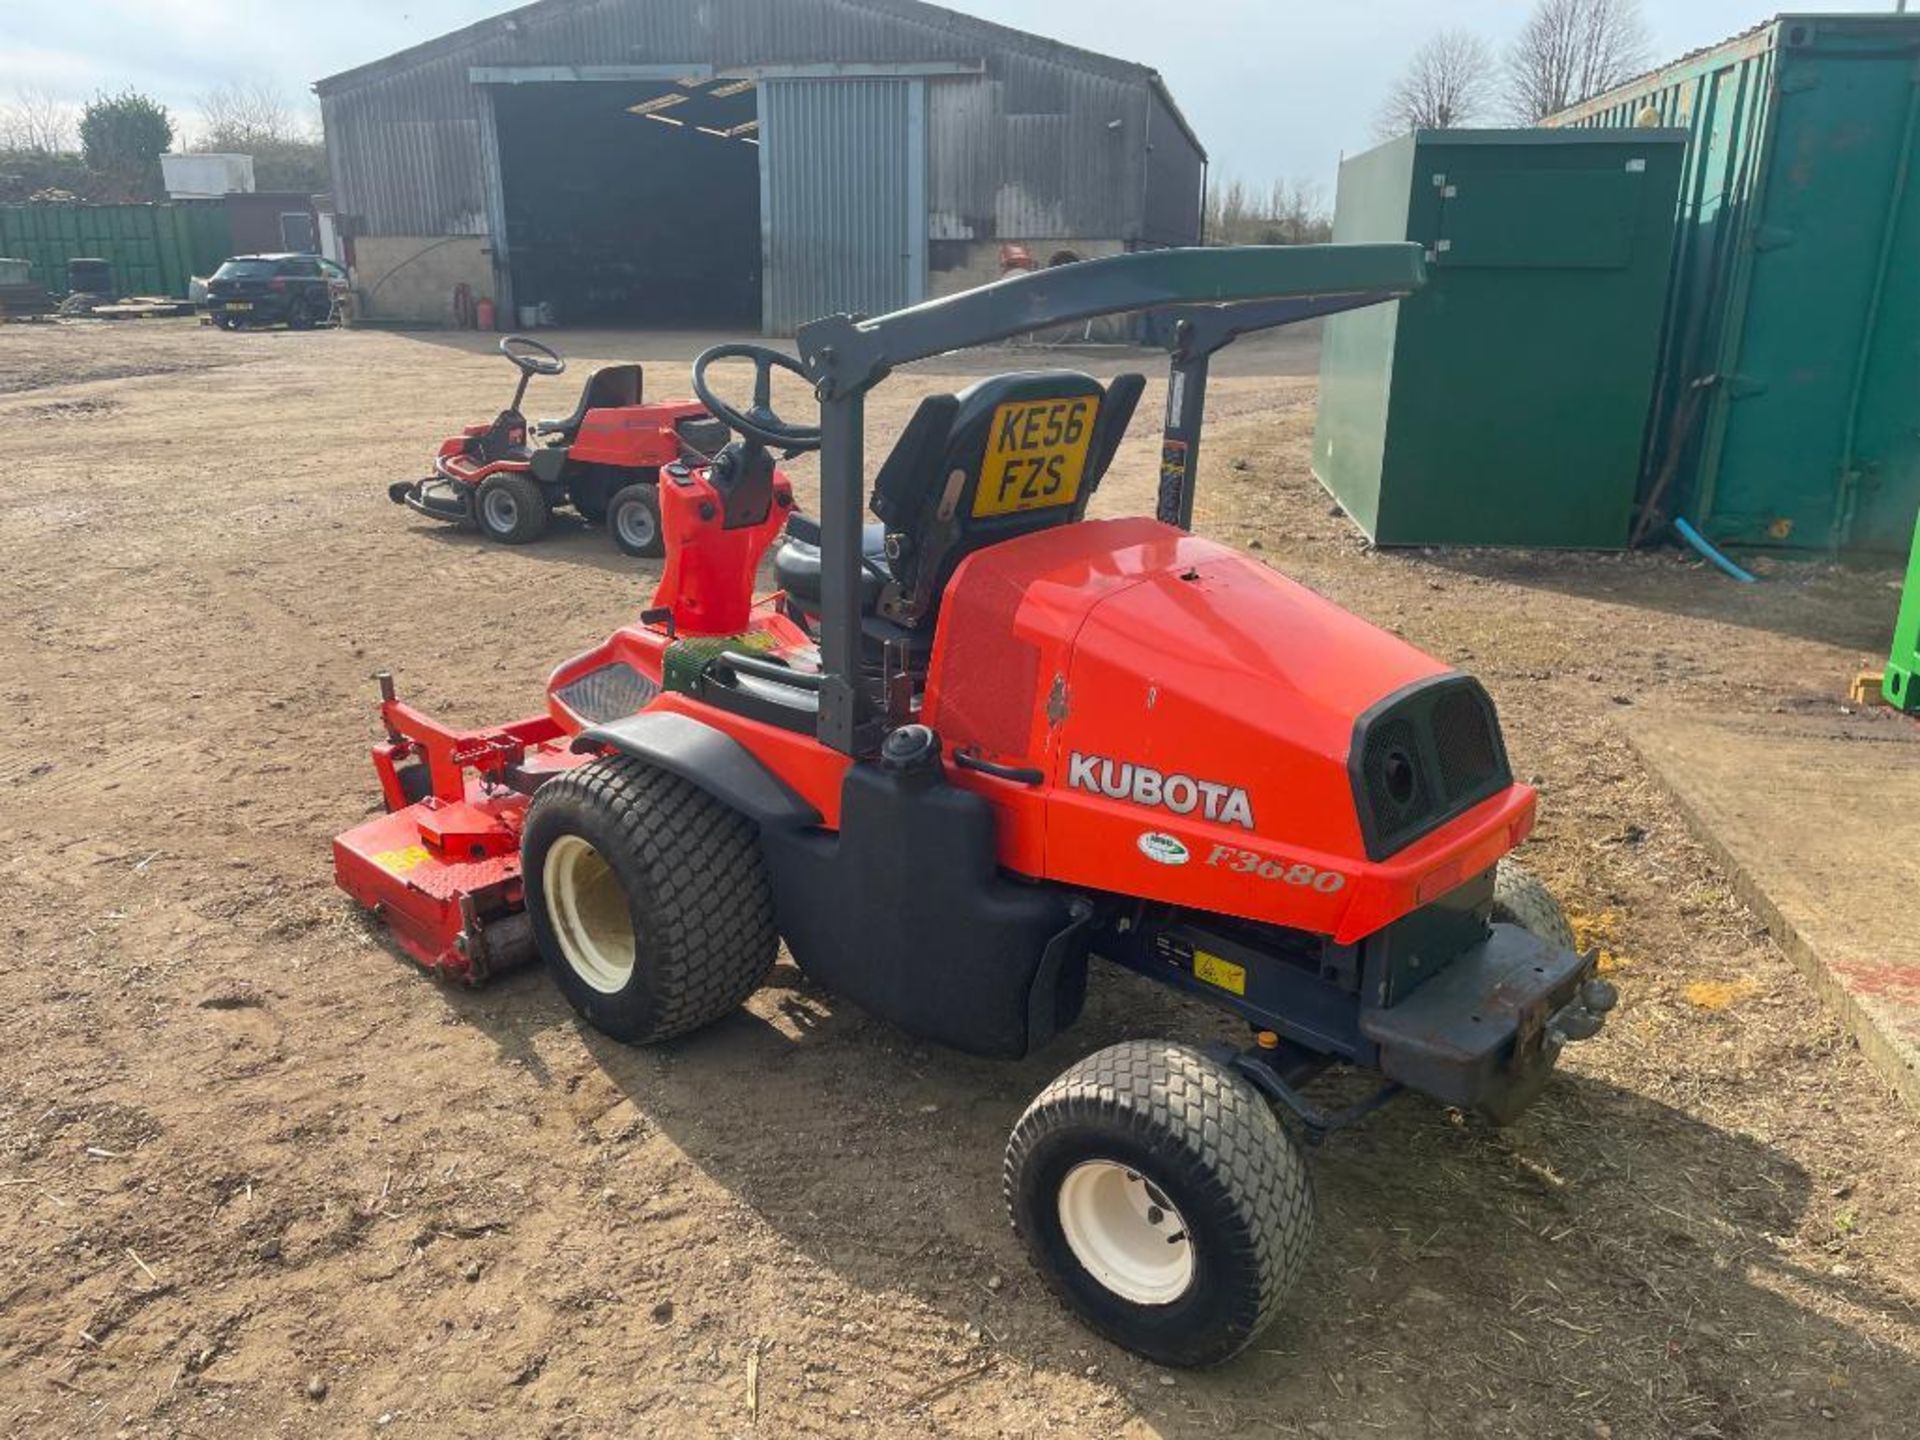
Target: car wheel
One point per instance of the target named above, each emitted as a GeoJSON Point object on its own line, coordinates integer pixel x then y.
{"type": "Point", "coordinates": [299, 317]}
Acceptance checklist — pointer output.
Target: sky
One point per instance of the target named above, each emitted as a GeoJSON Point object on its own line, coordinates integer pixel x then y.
{"type": "Point", "coordinates": [1277, 89]}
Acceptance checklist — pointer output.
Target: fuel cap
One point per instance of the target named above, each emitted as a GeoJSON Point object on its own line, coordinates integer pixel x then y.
{"type": "Point", "coordinates": [911, 747]}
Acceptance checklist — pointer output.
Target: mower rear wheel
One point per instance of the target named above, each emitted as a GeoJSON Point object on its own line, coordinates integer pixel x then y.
{"type": "Point", "coordinates": [633, 519]}
{"type": "Point", "coordinates": [509, 507]}
{"type": "Point", "coordinates": [1520, 899]}
{"type": "Point", "coordinates": [1161, 1200]}
{"type": "Point", "coordinates": [649, 899]}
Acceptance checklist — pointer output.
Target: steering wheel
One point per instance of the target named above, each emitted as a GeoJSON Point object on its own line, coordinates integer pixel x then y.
{"type": "Point", "coordinates": [759, 421]}
{"type": "Point", "coordinates": [531, 356]}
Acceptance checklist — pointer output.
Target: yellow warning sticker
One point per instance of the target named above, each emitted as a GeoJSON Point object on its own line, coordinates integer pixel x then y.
{"type": "Point", "coordinates": [1221, 973]}
{"type": "Point", "coordinates": [399, 862]}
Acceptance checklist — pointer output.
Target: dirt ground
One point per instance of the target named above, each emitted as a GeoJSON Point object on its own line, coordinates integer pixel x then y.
{"type": "Point", "coordinates": [259, 1177]}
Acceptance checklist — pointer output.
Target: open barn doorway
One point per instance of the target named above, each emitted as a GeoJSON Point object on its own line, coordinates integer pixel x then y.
{"type": "Point", "coordinates": [633, 203]}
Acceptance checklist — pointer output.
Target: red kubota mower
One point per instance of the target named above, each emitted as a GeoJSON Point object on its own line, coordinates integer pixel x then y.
{"type": "Point", "coordinates": [604, 459]}
{"type": "Point", "coordinates": [972, 747]}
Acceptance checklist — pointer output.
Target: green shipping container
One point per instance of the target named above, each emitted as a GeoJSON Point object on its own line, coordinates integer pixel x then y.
{"type": "Point", "coordinates": [154, 249]}
{"type": "Point", "coordinates": [1506, 403]}
{"type": "Point", "coordinates": [1788, 410]}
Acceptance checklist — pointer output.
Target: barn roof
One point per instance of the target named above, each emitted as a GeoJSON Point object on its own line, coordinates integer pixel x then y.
{"type": "Point", "coordinates": [484, 37]}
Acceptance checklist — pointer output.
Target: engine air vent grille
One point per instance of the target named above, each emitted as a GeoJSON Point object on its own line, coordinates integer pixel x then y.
{"type": "Point", "coordinates": [1423, 756]}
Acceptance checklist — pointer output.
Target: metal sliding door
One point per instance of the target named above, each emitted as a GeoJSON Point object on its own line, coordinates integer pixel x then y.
{"type": "Point", "coordinates": [843, 199]}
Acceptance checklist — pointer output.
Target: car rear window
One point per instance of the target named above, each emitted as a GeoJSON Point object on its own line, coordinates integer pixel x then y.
{"type": "Point", "coordinates": [246, 270]}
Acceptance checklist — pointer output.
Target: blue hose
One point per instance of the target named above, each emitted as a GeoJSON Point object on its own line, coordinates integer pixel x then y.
{"type": "Point", "coordinates": [1704, 548]}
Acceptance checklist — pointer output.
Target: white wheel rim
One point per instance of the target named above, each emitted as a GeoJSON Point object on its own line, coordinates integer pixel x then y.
{"type": "Point", "coordinates": [1126, 1233]}
{"type": "Point", "coordinates": [590, 914]}
{"type": "Point", "coordinates": [502, 510]}
{"type": "Point", "coordinates": [635, 524]}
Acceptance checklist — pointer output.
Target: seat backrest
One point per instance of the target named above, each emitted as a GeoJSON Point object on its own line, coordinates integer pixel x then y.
{"type": "Point", "coordinates": [610, 387]}
{"type": "Point", "coordinates": [1011, 455]}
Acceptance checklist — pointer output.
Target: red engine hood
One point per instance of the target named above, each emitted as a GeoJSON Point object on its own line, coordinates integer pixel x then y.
{"type": "Point", "coordinates": [1218, 669]}
{"type": "Point", "coordinates": [1194, 713]}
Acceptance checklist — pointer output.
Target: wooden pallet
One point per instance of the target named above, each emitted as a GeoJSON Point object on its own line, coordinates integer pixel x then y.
{"type": "Point", "coordinates": [142, 309]}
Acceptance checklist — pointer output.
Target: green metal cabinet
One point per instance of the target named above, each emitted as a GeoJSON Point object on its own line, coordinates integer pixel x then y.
{"type": "Point", "coordinates": [1505, 403]}
{"type": "Point", "coordinates": [1788, 408]}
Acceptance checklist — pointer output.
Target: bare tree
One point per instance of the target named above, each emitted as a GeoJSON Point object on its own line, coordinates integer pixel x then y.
{"type": "Point", "coordinates": [1570, 50]}
{"type": "Point", "coordinates": [39, 123]}
{"type": "Point", "coordinates": [1447, 84]}
{"type": "Point", "coordinates": [1291, 212]}
{"type": "Point", "coordinates": [247, 116]}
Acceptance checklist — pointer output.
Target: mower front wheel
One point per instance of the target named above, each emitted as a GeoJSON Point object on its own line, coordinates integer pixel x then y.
{"type": "Point", "coordinates": [633, 520]}
{"type": "Point", "coordinates": [509, 508]}
{"type": "Point", "coordinates": [1161, 1200]}
{"type": "Point", "coordinates": [649, 899]}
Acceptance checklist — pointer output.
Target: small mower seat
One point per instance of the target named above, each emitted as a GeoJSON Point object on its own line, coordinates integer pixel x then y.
{"type": "Point", "coordinates": [608, 388]}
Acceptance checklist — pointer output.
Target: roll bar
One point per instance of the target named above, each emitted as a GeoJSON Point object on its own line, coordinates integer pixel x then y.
{"type": "Point", "coordinates": [1208, 297]}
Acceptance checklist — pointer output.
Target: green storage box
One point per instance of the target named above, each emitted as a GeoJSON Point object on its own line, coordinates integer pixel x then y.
{"type": "Point", "coordinates": [1505, 403]}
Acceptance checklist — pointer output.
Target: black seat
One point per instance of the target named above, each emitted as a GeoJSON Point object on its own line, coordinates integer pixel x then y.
{"type": "Point", "coordinates": [1017, 454]}
{"type": "Point", "coordinates": [607, 388]}
{"type": "Point", "coordinates": [796, 567]}
{"type": "Point", "coordinates": [928, 494]}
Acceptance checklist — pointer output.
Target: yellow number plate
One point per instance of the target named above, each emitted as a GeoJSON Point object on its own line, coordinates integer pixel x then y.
{"type": "Point", "coordinates": [1222, 973]}
{"type": "Point", "coordinates": [1036, 455]}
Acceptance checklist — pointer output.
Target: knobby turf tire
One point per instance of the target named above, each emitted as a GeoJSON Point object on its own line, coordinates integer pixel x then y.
{"type": "Point", "coordinates": [696, 888]}
{"type": "Point", "coordinates": [532, 513]}
{"type": "Point", "coordinates": [1520, 899]}
{"type": "Point", "coordinates": [1202, 1135]}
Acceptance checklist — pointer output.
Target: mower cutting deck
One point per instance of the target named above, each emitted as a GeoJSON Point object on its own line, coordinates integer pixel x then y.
{"type": "Point", "coordinates": [964, 752]}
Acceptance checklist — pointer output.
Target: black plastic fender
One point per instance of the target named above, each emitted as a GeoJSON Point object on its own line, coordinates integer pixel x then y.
{"type": "Point", "coordinates": [710, 759]}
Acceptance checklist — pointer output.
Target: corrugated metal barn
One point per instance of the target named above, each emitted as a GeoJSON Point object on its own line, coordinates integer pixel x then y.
{"type": "Point", "coordinates": [740, 162]}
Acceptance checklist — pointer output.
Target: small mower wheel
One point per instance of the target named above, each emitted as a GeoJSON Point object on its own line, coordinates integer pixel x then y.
{"type": "Point", "coordinates": [649, 899]}
{"type": "Point", "coordinates": [509, 507]}
{"type": "Point", "coordinates": [633, 519]}
{"type": "Point", "coordinates": [1520, 899]}
{"type": "Point", "coordinates": [1162, 1200]}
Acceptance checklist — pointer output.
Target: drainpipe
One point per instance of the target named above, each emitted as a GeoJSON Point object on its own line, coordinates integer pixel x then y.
{"type": "Point", "coordinates": [1849, 497]}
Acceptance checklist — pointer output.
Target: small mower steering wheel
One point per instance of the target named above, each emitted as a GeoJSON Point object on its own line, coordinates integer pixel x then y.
{"type": "Point", "coordinates": [760, 421]}
{"type": "Point", "coordinates": [531, 356]}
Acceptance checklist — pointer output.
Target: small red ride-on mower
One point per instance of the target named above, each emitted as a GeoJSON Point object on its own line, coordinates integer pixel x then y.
{"type": "Point", "coordinates": [604, 459]}
{"type": "Point", "coordinates": [1002, 739]}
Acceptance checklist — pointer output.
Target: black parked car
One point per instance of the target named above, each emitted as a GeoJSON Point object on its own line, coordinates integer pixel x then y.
{"type": "Point", "coordinates": [295, 290]}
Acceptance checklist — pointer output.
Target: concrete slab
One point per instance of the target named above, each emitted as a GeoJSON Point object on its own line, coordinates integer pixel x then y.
{"type": "Point", "coordinates": [1816, 819]}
